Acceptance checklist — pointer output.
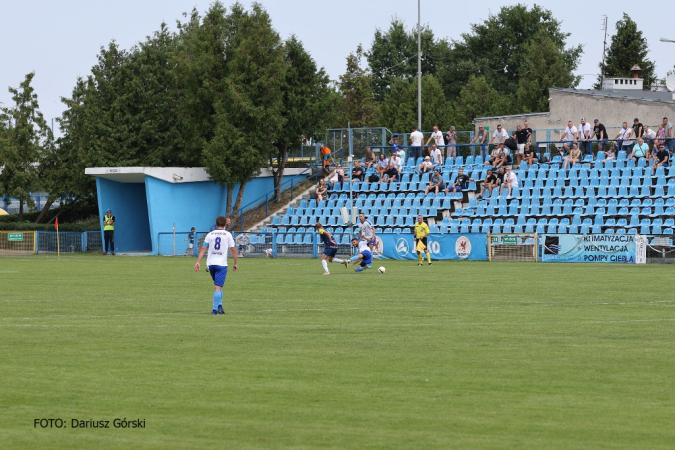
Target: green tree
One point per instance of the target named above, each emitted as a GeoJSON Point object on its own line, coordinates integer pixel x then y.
{"type": "Point", "coordinates": [398, 112]}
{"type": "Point", "coordinates": [627, 48]}
{"type": "Point", "coordinates": [308, 104]}
{"type": "Point", "coordinates": [357, 105]}
{"type": "Point", "coordinates": [543, 66]}
{"type": "Point", "coordinates": [479, 99]}
{"type": "Point", "coordinates": [249, 117]}
{"type": "Point", "coordinates": [26, 140]}
{"type": "Point", "coordinates": [393, 55]}
{"type": "Point", "coordinates": [495, 49]}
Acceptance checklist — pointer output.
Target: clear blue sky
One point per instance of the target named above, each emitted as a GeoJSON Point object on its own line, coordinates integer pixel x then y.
{"type": "Point", "coordinates": [60, 40]}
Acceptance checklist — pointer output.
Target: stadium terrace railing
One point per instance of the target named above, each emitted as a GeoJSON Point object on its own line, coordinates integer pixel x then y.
{"type": "Point", "coordinates": [255, 207]}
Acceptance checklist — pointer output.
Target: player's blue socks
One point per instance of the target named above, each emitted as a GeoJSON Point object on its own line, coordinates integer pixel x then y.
{"type": "Point", "coordinates": [353, 258]}
{"type": "Point", "coordinates": [217, 299]}
{"type": "Point", "coordinates": [358, 269]}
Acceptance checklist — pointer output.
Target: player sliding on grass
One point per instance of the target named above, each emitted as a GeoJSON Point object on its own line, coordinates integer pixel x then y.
{"type": "Point", "coordinates": [217, 242]}
{"type": "Point", "coordinates": [329, 250]}
{"type": "Point", "coordinates": [365, 256]}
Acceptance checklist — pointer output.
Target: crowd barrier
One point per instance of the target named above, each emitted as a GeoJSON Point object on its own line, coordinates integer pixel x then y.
{"type": "Point", "coordinates": [40, 242]}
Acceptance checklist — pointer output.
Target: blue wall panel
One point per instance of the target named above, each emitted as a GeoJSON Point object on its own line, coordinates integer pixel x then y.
{"type": "Point", "coordinates": [130, 208]}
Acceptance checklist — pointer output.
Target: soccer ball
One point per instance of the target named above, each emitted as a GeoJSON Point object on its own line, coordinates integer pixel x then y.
{"type": "Point", "coordinates": [381, 269]}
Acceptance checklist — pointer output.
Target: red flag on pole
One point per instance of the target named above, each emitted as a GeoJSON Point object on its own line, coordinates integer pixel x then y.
{"type": "Point", "coordinates": [56, 224]}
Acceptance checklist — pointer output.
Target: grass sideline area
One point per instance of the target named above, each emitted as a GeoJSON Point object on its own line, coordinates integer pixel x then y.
{"type": "Point", "coordinates": [466, 355]}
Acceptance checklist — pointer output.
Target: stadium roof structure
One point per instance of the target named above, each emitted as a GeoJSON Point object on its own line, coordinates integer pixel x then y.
{"type": "Point", "coordinates": [626, 94]}
{"type": "Point", "coordinates": [138, 174]}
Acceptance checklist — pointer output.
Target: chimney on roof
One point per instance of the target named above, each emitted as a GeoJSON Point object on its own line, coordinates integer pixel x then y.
{"type": "Point", "coordinates": [635, 70]}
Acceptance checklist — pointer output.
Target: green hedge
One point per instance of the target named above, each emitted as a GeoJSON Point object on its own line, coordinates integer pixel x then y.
{"type": "Point", "coordinates": [91, 224]}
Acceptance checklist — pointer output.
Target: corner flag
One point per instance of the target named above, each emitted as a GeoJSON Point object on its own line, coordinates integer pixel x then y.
{"type": "Point", "coordinates": [58, 242]}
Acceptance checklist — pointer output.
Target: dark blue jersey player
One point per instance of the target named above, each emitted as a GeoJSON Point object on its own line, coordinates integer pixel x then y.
{"type": "Point", "coordinates": [329, 250]}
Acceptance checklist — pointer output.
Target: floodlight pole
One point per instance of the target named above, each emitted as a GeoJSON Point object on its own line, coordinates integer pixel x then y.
{"type": "Point", "coordinates": [419, 65]}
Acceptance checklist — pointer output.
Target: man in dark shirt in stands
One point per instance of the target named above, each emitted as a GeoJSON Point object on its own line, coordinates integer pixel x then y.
{"type": "Point", "coordinates": [521, 136]}
{"type": "Point", "coordinates": [461, 182]}
{"type": "Point", "coordinates": [489, 183]}
{"type": "Point", "coordinates": [637, 128]}
{"type": "Point", "coordinates": [530, 155]}
{"type": "Point", "coordinates": [661, 158]}
{"type": "Point", "coordinates": [600, 134]}
{"type": "Point", "coordinates": [390, 175]}
{"type": "Point", "coordinates": [358, 173]}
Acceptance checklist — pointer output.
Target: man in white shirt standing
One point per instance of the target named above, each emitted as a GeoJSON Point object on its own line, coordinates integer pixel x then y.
{"type": "Point", "coordinates": [436, 156]}
{"type": "Point", "coordinates": [437, 137]}
{"type": "Point", "coordinates": [569, 136]}
{"type": "Point", "coordinates": [218, 242]}
{"type": "Point", "coordinates": [624, 138]}
{"type": "Point", "coordinates": [416, 138]}
{"type": "Point", "coordinates": [584, 136]}
{"type": "Point", "coordinates": [500, 134]}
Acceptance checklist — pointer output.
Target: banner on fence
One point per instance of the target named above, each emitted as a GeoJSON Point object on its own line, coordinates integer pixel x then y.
{"type": "Point", "coordinates": [472, 247]}
{"type": "Point", "coordinates": [607, 248]}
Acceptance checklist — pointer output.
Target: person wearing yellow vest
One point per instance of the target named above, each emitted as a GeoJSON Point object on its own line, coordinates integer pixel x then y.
{"type": "Point", "coordinates": [109, 232]}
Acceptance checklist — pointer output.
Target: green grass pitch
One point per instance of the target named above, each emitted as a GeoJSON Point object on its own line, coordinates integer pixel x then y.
{"type": "Point", "coordinates": [466, 355]}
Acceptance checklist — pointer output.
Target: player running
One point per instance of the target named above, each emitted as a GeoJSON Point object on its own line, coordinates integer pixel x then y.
{"type": "Point", "coordinates": [367, 231]}
{"type": "Point", "coordinates": [365, 256]}
{"type": "Point", "coordinates": [421, 233]}
{"type": "Point", "coordinates": [329, 250]}
{"type": "Point", "coordinates": [217, 242]}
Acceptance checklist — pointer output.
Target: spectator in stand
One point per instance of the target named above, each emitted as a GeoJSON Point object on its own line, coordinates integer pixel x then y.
{"type": "Point", "coordinates": [338, 177]}
{"type": "Point", "coordinates": [530, 155]}
{"type": "Point", "coordinates": [426, 166]}
{"type": "Point", "coordinates": [500, 134]}
{"type": "Point", "coordinates": [510, 182]}
{"type": "Point", "coordinates": [436, 183]}
{"type": "Point", "coordinates": [648, 135]}
{"type": "Point", "coordinates": [481, 138]}
{"type": "Point", "coordinates": [393, 142]}
{"type": "Point", "coordinates": [610, 154]}
{"type": "Point", "coordinates": [527, 128]}
{"type": "Point", "coordinates": [451, 142]}
{"type": "Point", "coordinates": [670, 139]}
{"type": "Point", "coordinates": [397, 162]}
{"type": "Point", "coordinates": [660, 158]}
{"type": "Point", "coordinates": [358, 174]}
{"type": "Point", "coordinates": [491, 182]}
{"type": "Point", "coordinates": [584, 136]}
{"type": "Point", "coordinates": [623, 138]}
{"type": "Point", "coordinates": [504, 157]}
{"type": "Point", "coordinates": [520, 136]}
{"type": "Point", "coordinates": [461, 182]}
{"type": "Point", "coordinates": [436, 137]}
{"type": "Point", "coordinates": [436, 156]}
{"type": "Point", "coordinates": [500, 175]}
{"type": "Point", "coordinates": [600, 134]}
{"type": "Point", "coordinates": [573, 157]}
{"type": "Point", "coordinates": [401, 155]}
{"type": "Point", "coordinates": [321, 190]}
{"type": "Point", "coordinates": [638, 129]}
{"type": "Point", "coordinates": [568, 137]}
{"type": "Point", "coordinates": [369, 160]}
{"type": "Point", "coordinates": [327, 159]}
{"type": "Point", "coordinates": [640, 150]}
{"type": "Point", "coordinates": [390, 175]}
{"type": "Point", "coordinates": [416, 138]}
{"type": "Point", "coordinates": [660, 135]}
{"type": "Point", "coordinates": [495, 156]}
{"type": "Point", "coordinates": [382, 165]}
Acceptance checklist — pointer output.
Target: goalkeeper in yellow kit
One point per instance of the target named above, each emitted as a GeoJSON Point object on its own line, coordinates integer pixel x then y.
{"type": "Point", "coordinates": [421, 233]}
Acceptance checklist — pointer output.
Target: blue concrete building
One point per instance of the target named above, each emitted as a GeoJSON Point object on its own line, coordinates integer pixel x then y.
{"type": "Point", "coordinates": [147, 201]}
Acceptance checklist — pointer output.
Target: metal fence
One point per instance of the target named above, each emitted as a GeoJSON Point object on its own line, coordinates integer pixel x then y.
{"type": "Point", "coordinates": [34, 242]}
{"type": "Point", "coordinates": [292, 244]}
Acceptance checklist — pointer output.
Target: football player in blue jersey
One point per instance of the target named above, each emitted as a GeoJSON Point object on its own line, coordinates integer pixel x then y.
{"type": "Point", "coordinates": [329, 250]}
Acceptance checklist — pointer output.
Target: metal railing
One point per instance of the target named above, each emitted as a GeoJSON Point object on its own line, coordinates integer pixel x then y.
{"type": "Point", "coordinates": [257, 205]}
